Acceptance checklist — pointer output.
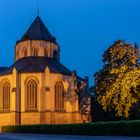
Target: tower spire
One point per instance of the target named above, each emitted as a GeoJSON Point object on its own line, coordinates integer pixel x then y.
{"type": "Point", "coordinates": [37, 9]}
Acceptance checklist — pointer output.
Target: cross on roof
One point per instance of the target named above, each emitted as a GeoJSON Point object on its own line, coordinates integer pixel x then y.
{"type": "Point", "coordinates": [38, 10]}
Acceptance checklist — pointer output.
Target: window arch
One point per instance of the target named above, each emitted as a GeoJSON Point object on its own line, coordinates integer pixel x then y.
{"type": "Point", "coordinates": [55, 55]}
{"type": "Point", "coordinates": [46, 52]}
{"type": "Point", "coordinates": [25, 52]}
{"type": "Point", "coordinates": [31, 94]}
{"type": "Point", "coordinates": [35, 52]}
{"type": "Point", "coordinates": [6, 96]}
{"type": "Point", "coordinates": [59, 96]}
{"type": "Point", "coordinates": [17, 53]}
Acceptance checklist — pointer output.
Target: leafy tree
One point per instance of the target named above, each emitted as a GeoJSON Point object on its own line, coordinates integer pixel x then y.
{"type": "Point", "coordinates": [117, 85]}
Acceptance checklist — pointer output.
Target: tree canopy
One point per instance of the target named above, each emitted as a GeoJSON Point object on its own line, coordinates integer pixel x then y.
{"type": "Point", "coordinates": [117, 85]}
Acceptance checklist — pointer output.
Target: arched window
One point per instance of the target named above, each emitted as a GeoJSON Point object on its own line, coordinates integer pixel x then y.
{"type": "Point", "coordinates": [59, 96]}
{"type": "Point", "coordinates": [17, 53]}
{"type": "Point", "coordinates": [31, 94]}
{"type": "Point", "coordinates": [6, 96]}
{"type": "Point", "coordinates": [46, 52]}
{"type": "Point", "coordinates": [35, 52]}
{"type": "Point", "coordinates": [55, 55]}
{"type": "Point", "coordinates": [25, 52]}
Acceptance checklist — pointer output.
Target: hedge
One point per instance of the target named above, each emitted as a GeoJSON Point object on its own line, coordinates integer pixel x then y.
{"type": "Point", "coordinates": [121, 128]}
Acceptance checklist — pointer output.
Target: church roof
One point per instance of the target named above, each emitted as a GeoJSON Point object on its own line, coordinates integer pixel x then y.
{"type": "Point", "coordinates": [37, 31]}
{"type": "Point", "coordinates": [37, 64]}
{"type": "Point", "coordinates": [2, 69]}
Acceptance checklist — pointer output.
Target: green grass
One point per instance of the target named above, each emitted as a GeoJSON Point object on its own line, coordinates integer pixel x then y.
{"type": "Point", "coordinates": [121, 128]}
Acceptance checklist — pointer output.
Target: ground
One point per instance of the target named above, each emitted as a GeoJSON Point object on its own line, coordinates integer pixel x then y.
{"type": "Point", "coordinates": [60, 137]}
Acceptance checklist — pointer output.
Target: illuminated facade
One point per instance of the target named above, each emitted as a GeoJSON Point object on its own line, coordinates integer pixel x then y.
{"type": "Point", "coordinates": [37, 88]}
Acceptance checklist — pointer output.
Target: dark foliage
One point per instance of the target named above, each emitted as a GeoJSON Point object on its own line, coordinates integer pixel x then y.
{"type": "Point", "coordinates": [121, 128]}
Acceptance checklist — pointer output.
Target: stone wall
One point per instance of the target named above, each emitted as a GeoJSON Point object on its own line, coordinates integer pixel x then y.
{"type": "Point", "coordinates": [30, 118]}
{"type": "Point", "coordinates": [40, 45]}
{"type": "Point", "coordinates": [7, 118]}
{"type": "Point", "coordinates": [50, 118]}
{"type": "Point", "coordinates": [45, 113]}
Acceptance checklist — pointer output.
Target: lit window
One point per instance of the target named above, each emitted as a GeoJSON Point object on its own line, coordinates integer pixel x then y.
{"type": "Point", "coordinates": [31, 93]}
{"type": "Point", "coordinates": [59, 96]}
{"type": "Point", "coordinates": [46, 52]}
{"type": "Point", "coordinates": [6, 96]}
{"type": "Point", "coordinates": [35, 52]}
{"type": "Point", "coordinates": [25, 52]}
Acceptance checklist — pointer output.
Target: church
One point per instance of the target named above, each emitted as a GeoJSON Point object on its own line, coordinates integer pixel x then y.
{"type": "Point", "coordinates": [37, 88]}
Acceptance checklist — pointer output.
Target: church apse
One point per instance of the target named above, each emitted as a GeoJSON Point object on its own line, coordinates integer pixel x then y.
{"type": "Point", "coordinates": [39, 89]}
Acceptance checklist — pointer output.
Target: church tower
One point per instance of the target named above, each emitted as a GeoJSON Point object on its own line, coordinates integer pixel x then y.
{"type": "Point", "coordinates": [37, 41]}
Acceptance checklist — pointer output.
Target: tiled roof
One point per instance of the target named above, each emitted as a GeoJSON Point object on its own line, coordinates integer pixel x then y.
{"type": "Point", "coordinates": [2, 69]}
{"type": "Point", "coordinates": [37, 64]}
{"type": "Point", "coordinates": [37, 31]}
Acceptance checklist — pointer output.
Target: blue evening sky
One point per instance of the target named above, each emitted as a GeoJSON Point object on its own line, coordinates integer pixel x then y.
{"type": "Point", "coordinates": [83, 28]}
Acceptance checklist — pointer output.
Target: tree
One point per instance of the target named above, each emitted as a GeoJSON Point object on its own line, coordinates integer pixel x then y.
{"type": "Point", "coordinates": [117, 85]}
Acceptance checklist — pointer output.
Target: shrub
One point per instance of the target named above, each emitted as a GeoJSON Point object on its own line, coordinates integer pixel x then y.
{"type": "Point", "coordinates": [121, 128]}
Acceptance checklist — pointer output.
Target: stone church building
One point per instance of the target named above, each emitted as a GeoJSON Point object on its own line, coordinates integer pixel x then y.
{"type": "Point", "coordinates": [37, 88]}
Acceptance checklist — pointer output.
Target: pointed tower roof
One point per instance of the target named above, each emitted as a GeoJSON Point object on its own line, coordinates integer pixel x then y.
{"type": "Point", "coordinates": [37, 31]}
